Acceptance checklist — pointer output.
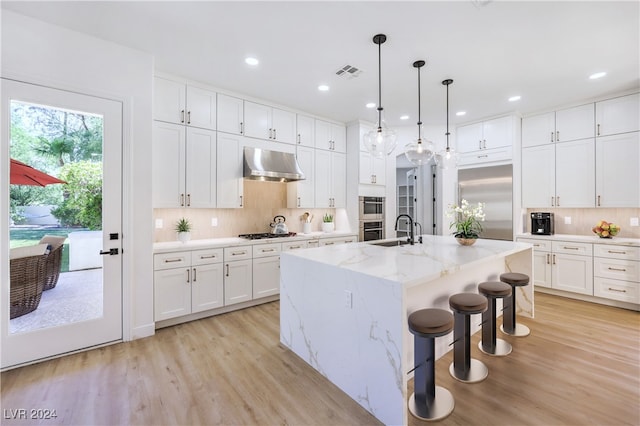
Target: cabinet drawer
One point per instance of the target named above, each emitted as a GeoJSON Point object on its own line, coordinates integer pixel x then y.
{"type": "Point", "coordinates": [294, 245]}
{"type": "Point", "coordinates": [616, 290]}
{"type": "Point", "coordinates": [486, 156]}
{"type": "Point", "coordinates": [626, 270]}
{"type": "Point", "coordinates": [616, 252]}
{"type": "Point", "coordinates": [264, 250]}
{"type": "Point", "coordinates": [538, 245]}
{"type": "Point", "coordinates": [171, 260]}
{"type": "Point", "coordinates": [572, 248]}
{"type": "Point", "coordinates": [237, 253]}
{"type": "Point", "coordinates": [206, 257]}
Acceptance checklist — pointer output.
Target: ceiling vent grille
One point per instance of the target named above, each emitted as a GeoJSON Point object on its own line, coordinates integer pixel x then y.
{"type": "Point", "coordinates": [348, 72]}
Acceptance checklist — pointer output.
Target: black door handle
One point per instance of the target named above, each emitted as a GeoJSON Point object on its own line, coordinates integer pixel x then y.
{"type": "Point", "coordinates": [110, 252]}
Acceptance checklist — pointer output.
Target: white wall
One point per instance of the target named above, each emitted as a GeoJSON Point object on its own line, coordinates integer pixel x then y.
{"type": "Point", "coordinates": [37, 52]}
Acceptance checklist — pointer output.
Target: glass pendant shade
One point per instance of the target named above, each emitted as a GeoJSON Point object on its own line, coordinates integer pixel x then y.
{"type": "Point", "coordinates": [419, 152]}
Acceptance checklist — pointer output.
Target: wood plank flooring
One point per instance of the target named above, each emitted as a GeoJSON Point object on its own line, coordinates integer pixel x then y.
{"type": "Point", "coordinates": [579, 366]}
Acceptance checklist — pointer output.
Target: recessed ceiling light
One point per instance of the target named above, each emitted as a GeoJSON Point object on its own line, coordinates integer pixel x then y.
{"type": "Point", "coordinates": [597, 75]}
{"type": "Point", "coordinates": [371, 105]}
{"type": "Point", "coordinates": [251, 61]}
{"type": "Point", "coordinates": [461, 113]}
{"type": "Point", "coordinates": [514, 98]}
{"type": "Point", "coordinates": [323, 88]}
{"type": "Point", "coordinates": [404, 117]}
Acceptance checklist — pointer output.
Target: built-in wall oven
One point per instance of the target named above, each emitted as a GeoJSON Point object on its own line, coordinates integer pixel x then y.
{"type": "Point", "coordinates": [371, 218]}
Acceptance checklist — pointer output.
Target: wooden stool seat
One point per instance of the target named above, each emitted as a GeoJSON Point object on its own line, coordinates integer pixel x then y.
{"type": "Point", "coordinates": [515, 279]}
{"type": "Point", "coordinates": [469, 303]}
{"type": "Point", "coordinates": [494, 289]}
{"type": "Point", "coordinates": [431, 322]}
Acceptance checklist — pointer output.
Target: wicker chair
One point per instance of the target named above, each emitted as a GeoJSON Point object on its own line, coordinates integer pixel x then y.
{"type": "Point", "coordinates": [27, 279]}
{"type": "Point", "coordinates": [54, 260]}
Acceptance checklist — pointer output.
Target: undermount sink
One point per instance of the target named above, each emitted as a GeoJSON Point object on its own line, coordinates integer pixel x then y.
{"type": "Point", "coordinates": [390, 243]}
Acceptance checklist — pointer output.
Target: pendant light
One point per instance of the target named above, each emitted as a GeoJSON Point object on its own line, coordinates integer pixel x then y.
{"type": "Point", "coordinates": [421, 151]}
{"type": "Point", "coordinates": [448, 158]}
{"type": "Point", "coordinates": [380, 141]}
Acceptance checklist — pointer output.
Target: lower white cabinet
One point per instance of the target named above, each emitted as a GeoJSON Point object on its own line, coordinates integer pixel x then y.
{"type": "Point", "coordinates": [541, 261]}
{"type": "Point", "coordinates": [238, 275]}
{"type": "Point", "coordinates": [266, 270]}
{"type": "Point", "coordinates": [338, 240]}
{"type": "Point", "coordinates": [187, 282]}
{"type": "Point", "coordinates": [616, 271]}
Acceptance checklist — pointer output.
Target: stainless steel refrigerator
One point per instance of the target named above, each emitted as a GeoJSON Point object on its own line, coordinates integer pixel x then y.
{"type": "Point", "coordinates": [494, 187]}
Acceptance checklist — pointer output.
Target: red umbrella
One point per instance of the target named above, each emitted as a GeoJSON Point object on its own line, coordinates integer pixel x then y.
{"type": "Point", "coordinates": [23, 174]}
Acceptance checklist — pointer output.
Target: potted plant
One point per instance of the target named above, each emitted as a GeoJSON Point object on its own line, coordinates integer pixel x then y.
{"type": "Point", "coordinates": [466, 222]}
{"type": "Point", "coordinates": [327, 223]}
{"type": "Point", "coordinates": [183, 228]}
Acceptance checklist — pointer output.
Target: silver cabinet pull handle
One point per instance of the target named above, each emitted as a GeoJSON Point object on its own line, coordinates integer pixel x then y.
{"type": "Point", "coordinates": [188, 275]}
{"type": "Point", "coordinates": [194, 275]}
{"type": "Point", "coordinates": [241, 128]}
{"type": "Point", "coordinates": [275, 134]}
{"type": "Point", "coordinates": [172, 260]}
{"type": "Point", "coordinates": [548, 258]}
{"type": "Point", "coordinates": [598, 201]}
{"type": "Point", "coordinates": [552, 198]}
{"type": "Point", "coordinates": [616, 252]}
{"type": "Point", "coordinates": [188, 200]}
{"type": "Point", "coordinates": [554, 259]}
{"type": "Point", "coordinates": [227, 265]}
{"type": "Point", "coordinates": [617, 269]}
{"type": "Point", "coordinates": [598, 131]}
{"type": "Point", "coordinates": [571, 248]}
{"type": "Point", "coordinates": [188, 117]}
{"type": "Point", "coordinates": [298, 138]}
{"type": "Point", "coordinates": [211, 256]}
{"type": "Point", "coordinates": [551, 137]}
{"type": "Point", "coordinates": [558, 201]}
{"type": "Point", "coordinates": [298, 201]}
{"type": "Point", "coordinates": [182, 116]}
{"type": "Point", "coordinates": [266, 250]}
{"type": "Point", "coordinates": [238, 253]}
{"type": "Point", "coordinates": [482, 156]}
{"type": "Point", "coordinates": [182, 200]}
{"type": "Point", "coordinates": [618, 290]}
{"type": "Point", "coordinates": [241, 201]}
{"type": "Point", "coordinates": [557, 135]}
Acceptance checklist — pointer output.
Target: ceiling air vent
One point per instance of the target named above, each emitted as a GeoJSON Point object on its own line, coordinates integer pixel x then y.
{"type": "Point", "coordinates": [348, 72]}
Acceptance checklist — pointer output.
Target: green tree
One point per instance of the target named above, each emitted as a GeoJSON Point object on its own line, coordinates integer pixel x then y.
{"type": "Point", "coordinates": [82, 204]}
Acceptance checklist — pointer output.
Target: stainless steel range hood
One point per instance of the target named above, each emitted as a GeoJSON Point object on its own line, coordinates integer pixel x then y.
{"type": "Point", "coordinates": [272, 166]}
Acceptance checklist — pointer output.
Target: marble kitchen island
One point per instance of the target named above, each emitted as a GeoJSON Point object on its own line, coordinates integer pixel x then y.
{"type": "Point", "coordinates": [344, 309]}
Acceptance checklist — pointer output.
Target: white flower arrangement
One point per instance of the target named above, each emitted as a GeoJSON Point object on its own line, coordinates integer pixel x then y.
{"type": "Point", "coordinates": [467, 219]}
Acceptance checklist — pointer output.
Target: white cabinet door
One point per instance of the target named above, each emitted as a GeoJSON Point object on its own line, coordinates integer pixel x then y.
{"type": "Point", "coordinates": [257, 120]}
{"type": "Point", "coordinates": [575, 174]}
{"type": "Point", "coordinates": [207, 287]}
{"type": "Point", "coordinates": [617, 170]}
{"type": "Point", "coordinates": [469, 137]}
{"type": "Point", "coordinates": [201, 108]}
{"type": "Point", "coordinates": [380, 170]}
{"type": "Point", "coordinates": [497, 133]}
{"type": "Point", "coordinates": [169, 100]}
{"type": "Point", "coordinates": [301, 194]}
{"type": "Point", "coordinates": [266, 276]}
{"type": "Point", "coordinates": [542, 268]}
{"type": "Point", "coordinates": [172, 293]}
{"type": "Point", "coordinates": [201, 168]}
{"type": "Point", "coordinates": [366, 168]}
{"type": "Point", "coordinates": [168, 165]}
{"type": "Point", "coordinates": [230, 114]}
{"type": "Point", "coordinates": [306, 131]}
{"type": "Point", "coordinates": [538, 129]}
{"type": "Point", "coordinates": [618, 115]}
{"type": "Point", "coordinates": [284, 126]}
{"type": "Point", "coordinates": [339, 137]}
{"type": "Point", "coordinates": [573, 273]}
{"type": "Point", "coordinates": [538, 176]}
{"type": "Point", "coordinates": [575, 123]}
{"type": "Point", "coordinates": [238, 279]}
{"type": "Point", "coordinates": [229, 183]}
{"type": "Point", "coordinates": [339, 179]}
{"type": "Point", "coordinates": [323, 185]}
{"type": "Point", "coordinates": [323, 135]}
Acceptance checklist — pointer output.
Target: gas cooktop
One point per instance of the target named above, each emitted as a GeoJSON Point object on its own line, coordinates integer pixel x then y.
{"type": "Point", "coordinates": [266, 235]}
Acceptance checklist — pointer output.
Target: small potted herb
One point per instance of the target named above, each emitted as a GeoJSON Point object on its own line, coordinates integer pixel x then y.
{"type": "Point", "coordinates": [183, 228]}
{"type": "Point", "coordinates": [327, 223]}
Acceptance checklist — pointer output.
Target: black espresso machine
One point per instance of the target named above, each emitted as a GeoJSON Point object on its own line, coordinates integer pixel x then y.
{"type": "Point", "coordinates": [542, 223]}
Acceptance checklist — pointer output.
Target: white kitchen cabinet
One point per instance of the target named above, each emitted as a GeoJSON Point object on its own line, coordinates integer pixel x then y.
{"type": "Point", "coordinates": [187, 282]}
{"type": "Point", "coordinates": [183, 165]}
{"type": "Point", "coordinates": [265, 122]}
{"type": "Point", "coordinates": [330, 136]}
{"type": "Point", "coordinates": [616, 271]}
{"type": "Point", "coordinates": [338, 240]}
{"type": "Point", "coordinates": [180, 103]}
{"type": "Point", "coordinates": [494, 155]}
{"type": "Point", "coordinates": [618, 115]}
{"type": "Point", "coordinates": [266, 270]}
{"type": "Point", "coordinates": [330, 179]}
{"type": "Point", "coordinates": [538, 176]}
{"type": "Point", "coordinates": [559, 126]}
{"type": "Point", "coordinates": [230, 118]}
{"type": "Point", "coordinates": [238, 275]}
{"type": "Point", "coordinates": [372, 169]}
{"type": "Point", "coordinates": [301, 194]}
{"type": "Point", "coordinates": [229, 171]}
{"type": "Point", "coordinates": [306, 129]}
{"type": "Point", "coordinates": [572, 267]}
{"type": "Point", "coordinates": [617, 171]}
{"type": "Point", "coordinates": [488, 134]}
{"type": "Point", "coordinates": [541, 261]}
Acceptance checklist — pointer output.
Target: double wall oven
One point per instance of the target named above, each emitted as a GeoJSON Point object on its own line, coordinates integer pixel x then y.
{"type": "Point", "coordinates": [371, 218]}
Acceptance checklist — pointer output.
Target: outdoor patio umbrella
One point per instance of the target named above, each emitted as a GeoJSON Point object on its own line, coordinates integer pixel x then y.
{"type": "Point", "coordinates": [23, 174]}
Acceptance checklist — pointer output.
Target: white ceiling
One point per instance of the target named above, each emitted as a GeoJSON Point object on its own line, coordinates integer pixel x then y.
{"type": "Point", "coordinates": [543, 51]}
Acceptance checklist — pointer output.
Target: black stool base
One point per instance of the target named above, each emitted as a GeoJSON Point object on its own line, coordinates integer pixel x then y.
{"type": "Point", "coordinates": [441, 406]}
{"type": "Point", "coordinates": [477, 372]}
{"type": "Point", "coordinates": [520, 330]}
{"type": "Point", "coordinates": [501, 348]}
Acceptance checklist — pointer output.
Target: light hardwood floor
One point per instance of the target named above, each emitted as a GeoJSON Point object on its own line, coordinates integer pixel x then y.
{"type": "Point", "coordinates": [579, 366]}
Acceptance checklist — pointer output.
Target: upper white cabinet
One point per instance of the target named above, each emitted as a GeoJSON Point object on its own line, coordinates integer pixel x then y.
{"type": "Point", "coordinates": [330, 179]}
{"type": "Point", "coordinates": [618, 115]}
{"type": "Point", "coordinates": [372, 169]}
{"type": "Point", "coordinates": [617, 171]}
{"type": "Point", "coordinates": [229, 171]}
{"type": "Point", "coordinates": [560, 126]}
{"type": "Point", "coordinates": [306, 131]}
{"type": "Point", "coordinates": [301, 194]}
{"type": "Point", "coordinates": [180, 103]}
{"type": "Point", "coordinates": [265, 122]}
{"type": "Point", "coordinates": [488, 134]}
{"type": "Point", "coordinates": [230, 114]}
{"type": "Point", "coordinates": [330, 136]}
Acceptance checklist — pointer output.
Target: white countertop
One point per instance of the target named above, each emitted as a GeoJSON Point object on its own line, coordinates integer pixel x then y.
{"type": "Point", "coordinates": [594, 239]}
{"type": "Point", "coordinates": [437, 256]}
{"type": "Point", "coordinates": [172, 246]}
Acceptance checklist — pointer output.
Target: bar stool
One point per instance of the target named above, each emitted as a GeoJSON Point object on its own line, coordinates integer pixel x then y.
{"type": "Point", "coordinates": [429, 402]}
{"type": "Point", "coordinates": [489, 344]}
{"type": "Point", "coordinates": [509, 326]}
{"type": "Point", "coordinates": [463, 367]}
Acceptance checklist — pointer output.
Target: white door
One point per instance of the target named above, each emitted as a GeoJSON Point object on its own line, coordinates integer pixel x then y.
{"type": "Point", "coordinates": [92, 297]}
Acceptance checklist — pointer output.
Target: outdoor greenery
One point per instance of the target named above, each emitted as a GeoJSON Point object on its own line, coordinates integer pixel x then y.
{"type": "Point", "coordinates": [82, 201]}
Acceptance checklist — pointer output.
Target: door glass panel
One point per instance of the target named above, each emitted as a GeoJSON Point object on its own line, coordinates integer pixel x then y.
{"type": "Point", "coordinates": [65, 284]}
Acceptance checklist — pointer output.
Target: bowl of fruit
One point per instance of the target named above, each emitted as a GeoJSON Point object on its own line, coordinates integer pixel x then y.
{"type": "Point", "coordinates": [606, 229]}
